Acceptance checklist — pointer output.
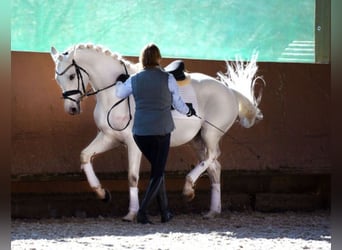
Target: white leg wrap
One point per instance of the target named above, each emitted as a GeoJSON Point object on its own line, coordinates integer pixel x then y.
{"type": "Point", "coordinates": [215, 197]}
{"type": "Point", "coordinates": [197, 171]}
{"type": "Point", "coordinates": [92, 179]}
{"type": "Point", "coordinates": [134, 199]}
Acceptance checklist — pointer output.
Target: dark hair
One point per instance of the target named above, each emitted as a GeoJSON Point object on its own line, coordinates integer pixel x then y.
{"type": "Point", "coordinates": [150, 56]}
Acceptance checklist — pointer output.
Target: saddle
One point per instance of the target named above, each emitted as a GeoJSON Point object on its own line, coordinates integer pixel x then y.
{"type": "Point", "coordinates": [176, 68]}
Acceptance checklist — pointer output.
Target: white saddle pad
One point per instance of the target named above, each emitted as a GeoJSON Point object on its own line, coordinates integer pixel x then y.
{"type": "Point", "coordinates": [188, 94]}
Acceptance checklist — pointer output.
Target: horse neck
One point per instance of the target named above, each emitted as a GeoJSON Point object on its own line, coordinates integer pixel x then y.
{"type": "Point", "coordinates": [103, 69]}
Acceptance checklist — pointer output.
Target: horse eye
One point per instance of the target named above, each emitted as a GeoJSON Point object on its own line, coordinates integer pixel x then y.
{"type": "Point", "coordinates": [72, 77]}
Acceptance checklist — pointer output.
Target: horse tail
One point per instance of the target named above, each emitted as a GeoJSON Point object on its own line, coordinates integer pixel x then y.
{"type": "Point", "coordinates": [241, 78]}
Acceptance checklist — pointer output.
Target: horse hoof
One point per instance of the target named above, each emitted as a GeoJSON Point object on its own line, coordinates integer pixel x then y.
{"type": "Point", "coordinates": [189, 196]}
{"type": "Point", "coordinates": [188, 191]}
{"type": "Point", "coordinates": [130, 217]}
{"type": "Point", "coordinates": [108, 197]}
{"type": "Point", "coordinates": [211, 215]}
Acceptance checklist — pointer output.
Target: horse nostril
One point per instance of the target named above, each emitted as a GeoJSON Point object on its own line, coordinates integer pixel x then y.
{"type": "Point", "coordinates": [73, 110]}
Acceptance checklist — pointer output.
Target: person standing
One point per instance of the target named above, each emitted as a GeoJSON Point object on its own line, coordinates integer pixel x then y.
{"type": "Point", "coordinates": [154, 92]}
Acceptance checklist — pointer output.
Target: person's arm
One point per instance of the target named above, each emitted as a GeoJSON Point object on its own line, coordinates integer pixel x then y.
{"type": "Point", "coordinates": [177, 100]}
{"type": "Point", "coordinates": [124, 89]}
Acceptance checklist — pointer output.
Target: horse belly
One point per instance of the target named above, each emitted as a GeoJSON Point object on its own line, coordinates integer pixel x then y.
{"type": "Point", "coordinates": [185, 130]}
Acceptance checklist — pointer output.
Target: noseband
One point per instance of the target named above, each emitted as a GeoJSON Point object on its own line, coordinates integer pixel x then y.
{"type": "Point", "coordinates": [80, 82]}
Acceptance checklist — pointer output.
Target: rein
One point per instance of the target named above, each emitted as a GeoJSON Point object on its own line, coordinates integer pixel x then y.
{"type": "Point", "coordinates": [117, 103]}
{"type": "Point", "coordinates": [129, 111]}
{"type": "Point", "coordinates": [67, 94]}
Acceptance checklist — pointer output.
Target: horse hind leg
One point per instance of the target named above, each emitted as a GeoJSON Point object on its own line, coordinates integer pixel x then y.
{"type": "Point", "coordinates": [213, 168]}
{"type": "Point", "coordinates": [198, 144]}
{"type": "Point", "coordinates": [214, 172]}
{"type": "Point", "coordinates": [200, 149]}
{"type": "Point", "coordinates": [212, 153]}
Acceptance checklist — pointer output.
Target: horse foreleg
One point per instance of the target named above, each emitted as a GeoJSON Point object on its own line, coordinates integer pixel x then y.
{"type": "Point", "coordinates": [214, 172]}
{"type": "Point", "coordinates": [100, 144]}
{"type": "Point", "coordinates": [95, 183]}
{"type": "Point", "coordinates": [134, 159]}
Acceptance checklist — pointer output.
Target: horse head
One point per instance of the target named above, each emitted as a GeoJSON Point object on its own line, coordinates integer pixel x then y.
{"type": "Point", "coordinates": [85, 64]}
{"type": "Point", "coordinates": [72, 79]}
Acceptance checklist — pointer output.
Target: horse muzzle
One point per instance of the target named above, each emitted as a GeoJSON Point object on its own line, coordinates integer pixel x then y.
{"type": "Point", "coordinates": [72, 108]}
{"type": "Point", "coordinates": [72, 101]}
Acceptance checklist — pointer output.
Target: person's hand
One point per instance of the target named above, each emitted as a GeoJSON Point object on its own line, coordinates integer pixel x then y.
{"type": "Point", "coordinates": [122, 78]}
{"type": "Point", "coordinates": [192, 111]}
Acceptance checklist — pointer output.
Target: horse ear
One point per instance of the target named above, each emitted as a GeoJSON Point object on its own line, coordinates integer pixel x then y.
{"type": "Point", "coordinates": [55, 55]}
{"type": "Point", "coordinates": [72, 53]}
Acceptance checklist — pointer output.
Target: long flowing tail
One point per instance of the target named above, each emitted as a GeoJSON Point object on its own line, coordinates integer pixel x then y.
{"type": "Point", "coordinates": [241, 78]}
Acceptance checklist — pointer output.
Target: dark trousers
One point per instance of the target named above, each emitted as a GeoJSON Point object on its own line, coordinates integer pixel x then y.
{"type": "Point", "coordinates": [156, 149]}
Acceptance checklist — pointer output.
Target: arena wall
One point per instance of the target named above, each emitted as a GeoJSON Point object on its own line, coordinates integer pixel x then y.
{"type": "Point", "coordinates": [291, 140]}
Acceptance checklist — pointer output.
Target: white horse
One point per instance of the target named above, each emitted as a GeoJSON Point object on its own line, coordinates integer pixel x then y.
{"type": "Point", "coordinates": [218, 103]}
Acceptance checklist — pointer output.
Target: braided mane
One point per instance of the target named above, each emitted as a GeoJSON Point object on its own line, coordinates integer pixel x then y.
{"type": "Point", "coordinates": [99, 49]}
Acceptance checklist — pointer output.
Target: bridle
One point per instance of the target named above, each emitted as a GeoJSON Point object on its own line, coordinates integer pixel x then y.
{"type": "Point", "coordinates": [84, 93]}
{"type": "Point", "coordinates": [80, 82]}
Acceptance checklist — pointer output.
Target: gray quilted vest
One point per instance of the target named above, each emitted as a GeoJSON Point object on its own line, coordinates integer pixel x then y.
{"type": "Point", "coordinates": [153, 103]}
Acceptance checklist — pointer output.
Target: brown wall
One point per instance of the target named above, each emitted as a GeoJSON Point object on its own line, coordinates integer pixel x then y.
{"type": "Point", "coordinates": [294, 135]}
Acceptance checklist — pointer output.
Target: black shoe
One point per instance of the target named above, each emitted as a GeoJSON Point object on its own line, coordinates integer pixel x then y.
{"type": "Point", "coordinates": [167, 216]}
{"type": "Point", "coordinates": [142, 218]}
